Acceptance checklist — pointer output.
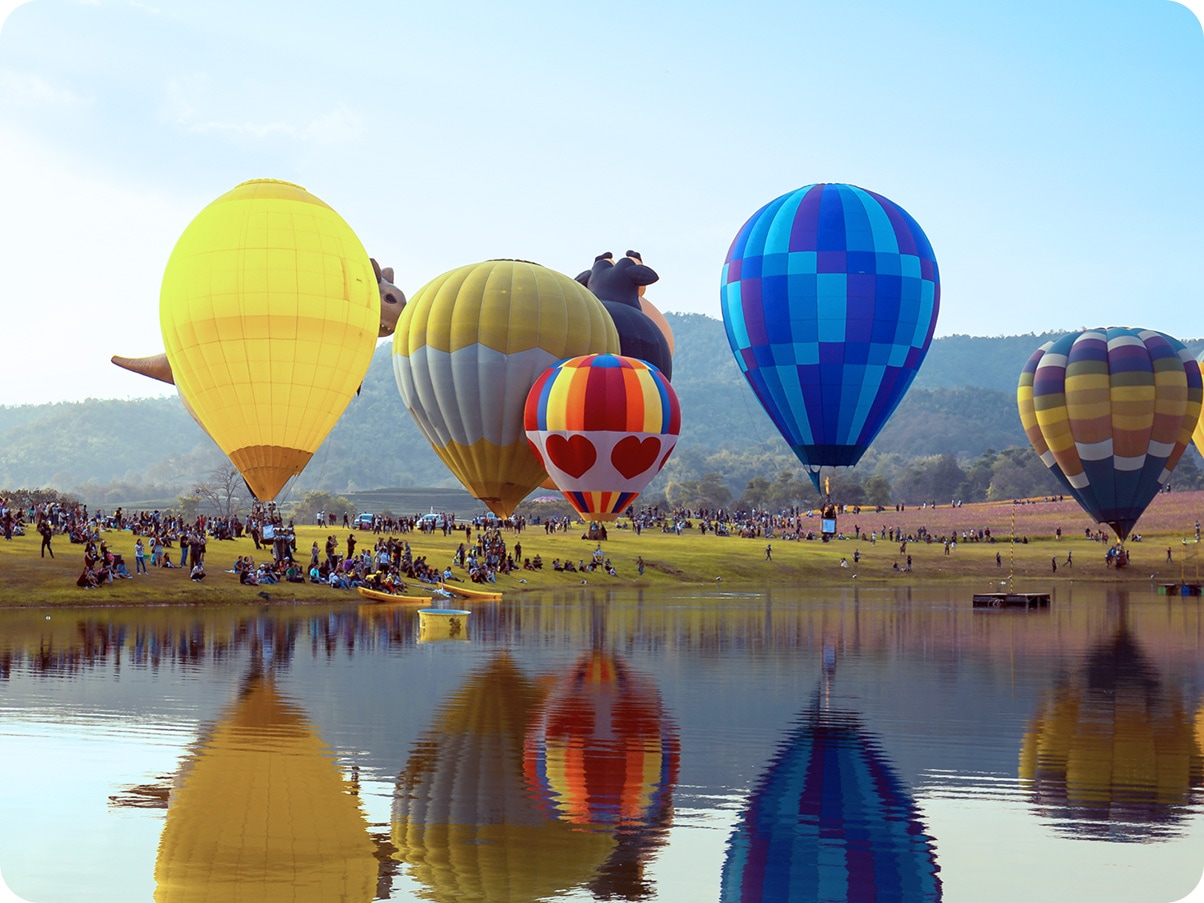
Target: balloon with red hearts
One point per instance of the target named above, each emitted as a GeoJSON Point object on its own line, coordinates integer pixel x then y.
{"type": "Point", "coordinates": [603, 426]}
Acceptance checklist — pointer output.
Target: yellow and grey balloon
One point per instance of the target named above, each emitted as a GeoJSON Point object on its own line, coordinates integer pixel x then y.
{"type": "Point", "coordinates": [269, 310]}
{"type": "Point", "coordinates": [468, 347]}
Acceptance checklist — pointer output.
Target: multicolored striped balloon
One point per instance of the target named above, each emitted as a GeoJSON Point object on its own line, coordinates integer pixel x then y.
{"type": "Point", "coordinates": [603, 426]}
{"type": "Point", "coordinates": [830, 297]}
{"type": "Point", "coordinates": [1110, 412]}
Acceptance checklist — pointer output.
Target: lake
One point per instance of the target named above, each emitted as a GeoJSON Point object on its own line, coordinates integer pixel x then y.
{"type": "Point", "coordinates": [884, 744]}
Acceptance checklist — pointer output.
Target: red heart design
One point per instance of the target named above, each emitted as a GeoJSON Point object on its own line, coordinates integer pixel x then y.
{"type": "Point", "coordinates": [573, 454]}
{"type": "Point", "coordinates": [631, 456]}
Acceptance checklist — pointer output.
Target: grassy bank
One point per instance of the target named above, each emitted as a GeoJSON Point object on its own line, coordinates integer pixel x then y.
{"type": "Point", "coordinates": [672, 560]}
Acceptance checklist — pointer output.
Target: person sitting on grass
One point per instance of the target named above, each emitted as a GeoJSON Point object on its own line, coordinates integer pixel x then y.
{"type": "Point", "coordinates": [87, 579]}
{"type": "Point", "coordinates": [167, 560]}
{"type": "Point", "coordinates": [198, 572]}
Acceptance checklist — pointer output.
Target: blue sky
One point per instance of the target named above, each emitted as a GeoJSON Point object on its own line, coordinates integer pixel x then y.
{"type": "Point", "coordinates": [1051, 150]}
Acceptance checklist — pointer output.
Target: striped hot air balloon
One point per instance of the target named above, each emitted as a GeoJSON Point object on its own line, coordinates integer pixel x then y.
{"type": "Point", "coordinates": [603, 425]}
{"type": "Point", "coordinates": [467, 349]}
{"type": "Point", "coordinates": [1110, 412]}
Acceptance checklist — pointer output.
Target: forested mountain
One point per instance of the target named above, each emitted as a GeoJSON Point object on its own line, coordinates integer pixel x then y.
{"type": "Point", "coordinates": [960, 411]}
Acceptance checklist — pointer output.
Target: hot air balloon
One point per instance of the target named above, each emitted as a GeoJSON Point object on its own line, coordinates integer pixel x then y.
{"type": "Point", "coordinates": [640, 337]}
{"type": "Point", "coordinates": [653, 313]}
{"type": "Point", "coordinates": [603, 426]}
{"type": "Point", "coordinates": [269, 309]}
{"type": "Point", "coordinates": [830, 820]}
{"type": "Point", "coordinates": [467, 349]}
{"type": "Point", "coordinates": [830, 296]}
{"type": "Point", "coordinates": [1197, 435]}
{"type": "Point", "coordinates": [620, 286]}
{"type": "Point", "coordinates": [1111, 411]}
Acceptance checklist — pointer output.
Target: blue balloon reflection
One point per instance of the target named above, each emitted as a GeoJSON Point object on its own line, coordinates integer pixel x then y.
{"type": "Point", "coordinates": [830, 820]}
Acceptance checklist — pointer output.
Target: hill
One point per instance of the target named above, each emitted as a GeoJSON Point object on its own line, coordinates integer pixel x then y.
{"type": "Point", "coordinates": [109, 452]}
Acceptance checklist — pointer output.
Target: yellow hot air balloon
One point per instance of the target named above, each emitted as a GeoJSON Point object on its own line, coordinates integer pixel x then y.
{"type": "Point", "coordinates": [270, 311]}
{"type": "Point", "coordinates": [469, 346]}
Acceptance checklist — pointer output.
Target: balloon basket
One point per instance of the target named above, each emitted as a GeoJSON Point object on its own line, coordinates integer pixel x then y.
{"type": "Point", "coordinates": [442, 624]}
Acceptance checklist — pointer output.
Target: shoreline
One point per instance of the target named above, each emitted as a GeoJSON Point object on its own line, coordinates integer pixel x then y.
{"type": "Point", "coordinates": [686, 560]}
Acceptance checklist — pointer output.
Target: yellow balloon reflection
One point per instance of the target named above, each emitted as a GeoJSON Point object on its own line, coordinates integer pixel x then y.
{"type": "Point", "coordinates": [462, 818]}
{"type": "Point", "coordinates": [1112, 754]}
{"type": "Point", "coordinates": [260, 813]}
{"type": "Point", "coordinates": [270, 311]}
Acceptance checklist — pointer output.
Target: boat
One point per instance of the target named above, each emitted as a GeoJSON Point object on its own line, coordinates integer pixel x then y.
{"type": "Point", "coordinates": [466, 593]}
{"type": "Point", "coordinates": [1011, 600]}
{"type": "Point", "coordinates": [379, 595]}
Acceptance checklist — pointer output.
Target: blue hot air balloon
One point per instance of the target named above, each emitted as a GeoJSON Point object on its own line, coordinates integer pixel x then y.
{"type": "Point", "coordinates": [830, 297]}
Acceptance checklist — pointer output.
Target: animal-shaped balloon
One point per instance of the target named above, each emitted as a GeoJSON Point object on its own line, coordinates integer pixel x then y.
{"type": "Point", "coordinates": [392, 303]}
{"type": "Point", "coordinates": [620, 286]}
{"type": "Point", "coordinates": [468, 348]}
{"type": "Point", "coordinates": [1110, 412]}
{"type": "Point", "coordinates": [603, 425]}
{"type": "Point", "coordinates": [830, 297]}
{"type": "Point", "coordinates": [269, 310]}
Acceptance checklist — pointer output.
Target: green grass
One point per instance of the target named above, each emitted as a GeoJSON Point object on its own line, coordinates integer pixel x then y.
{"type": "Point", "coordinates": [673, 561]}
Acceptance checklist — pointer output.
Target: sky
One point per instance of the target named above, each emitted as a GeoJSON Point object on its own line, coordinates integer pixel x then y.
{"type": "Point", "coordinates": [1050, 149]}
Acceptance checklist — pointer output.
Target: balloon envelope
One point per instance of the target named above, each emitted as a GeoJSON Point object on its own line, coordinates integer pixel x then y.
{"type": "Point", "coordinates": [467, 349]}
{"type": "Point", "coordinates": [1111, 411]}
{"type": "Point", "coordinates": [830, 296]}
{"type": "Point", "coordinates": [603, 426]}
{"type": "Point", "coordinates": [640, 337]}
{"type": "Point", "coordinates": [269, 310]}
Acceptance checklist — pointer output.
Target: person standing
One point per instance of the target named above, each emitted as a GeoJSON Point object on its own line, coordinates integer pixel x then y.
{"type": "Point", "coordinates": [139, 557]}
{"type": "Point", "coordinates": [769, 552]}
{"type": "Point", "coordinates": [47, 532]}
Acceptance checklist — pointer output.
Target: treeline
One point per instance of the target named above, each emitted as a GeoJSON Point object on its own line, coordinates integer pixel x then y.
{"type": "Point", "coordinates": [955, 435]}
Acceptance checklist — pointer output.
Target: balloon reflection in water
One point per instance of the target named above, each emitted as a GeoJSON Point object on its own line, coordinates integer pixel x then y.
{"type": "Point", "coordinates": [261, 813]}
{"type": "Point", "coordinates": [1112, 754]}
{"type": "Point", "coordinates": [463, 819]}
{"type": "Point", "coordinates": [830, 820]}
{"type": "Point", "coordinates": [602, 751]}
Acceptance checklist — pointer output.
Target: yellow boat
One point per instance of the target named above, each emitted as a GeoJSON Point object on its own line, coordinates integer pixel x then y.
{"type": "Point", "coordinates": [379, 595]}
{"type": "Point", "coordinates": [471, 593]}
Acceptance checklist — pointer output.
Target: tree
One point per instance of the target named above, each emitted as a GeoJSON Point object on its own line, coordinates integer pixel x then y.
{"type": "Point", "coordinates": [224, 492]}
{"type": "Point", "coordinates": [756, 493]}
{"type": "Point", "coordinates": [877, 490]}
{"type": "Point", "coordinates": [306, 510]}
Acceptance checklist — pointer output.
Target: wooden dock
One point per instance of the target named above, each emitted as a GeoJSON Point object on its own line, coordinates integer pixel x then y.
{"type": "Point", "coordinates": [1011, 600]}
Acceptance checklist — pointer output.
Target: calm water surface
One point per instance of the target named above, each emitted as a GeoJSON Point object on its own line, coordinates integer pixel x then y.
{"type": "Point", "coordinates": [877, 744]}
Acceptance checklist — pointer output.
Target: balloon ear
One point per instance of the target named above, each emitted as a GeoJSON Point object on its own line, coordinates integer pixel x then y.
{"type": "Point", "coordinates": [635, 255]}
{"type": "Point", "coordinates": [376, 268]}
{"type": "Point", "coordinates": [387, 273]}
{"type": "Point", "coordinates": [605, 255]}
